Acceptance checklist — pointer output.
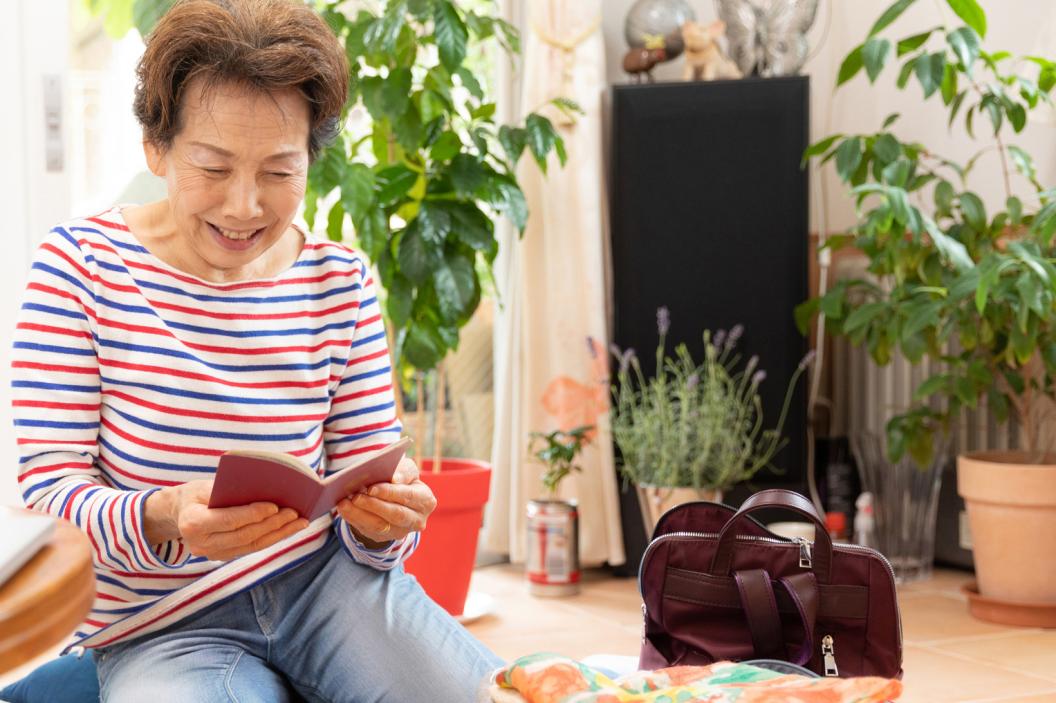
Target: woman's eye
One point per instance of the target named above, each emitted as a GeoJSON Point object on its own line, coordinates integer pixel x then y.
{"type": "Point", "coordinates": [280, 175]}
{"type": "Point", "coordinates": [215, 171]}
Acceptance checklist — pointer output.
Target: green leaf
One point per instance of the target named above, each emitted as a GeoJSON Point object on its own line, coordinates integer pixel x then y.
{"type": "Point", "coordinates": [357, 190]}
{"type": "Point", "coordinates": [422, 346]}
{"type": "Point", "coordinates": [447, 146]}
{"type": "Point", "coordinates": [1023, 162]}
{"type": "Point", "coordinates": [511, 202]}
{"type": "Point", "coordinates": [886, 148]}
{"type": "Point", "coordinates": [470, 82]}
{"type": "Point", "coordinates": [862, 316]}
{"type": "Point", "coordinates": [953, 250]}
{"type": "Point", "coordinates": [848, 156]}
{"type": "Point", "coordinates": [146, 13]}
{"type": "Point", "coordinates": [394, 182]}
{"type": "Point", "coordinates": [371, 89]}
{"type": "Point", "coordinates": [1017, 115]}
{"type": "Point", "coordinates": [831, 304]}
{"type": "Point", "coordinates": [451, 35]}
{"type": "Point", "coordinates": [912, 43]}
{"type": "Point", "coordinates": [1015, 209]}
{"type": "Point", "coordinates": [973, 210]}
{"type": "Point", "coordinates": [955, 106]}
{"type": "Point", "coordinates": [897, 172]}
{"type": "Point", "coordinates": [467, 174]}
{"type": "Point", "coordinates": [472, 226]}
{"type": "Point", "coordinates": [993, 109]}
{"type": "Point", "coordinates": [335, 222]}
{"type": "Point", "coordinates": [944, 197]}
{"type": "Point", "coordinates": [483, 112]}
{"type": "Point", "coordinates": [852, 63]}
{"type": "Point", "coordinates": [929, 72]}
{"type": "Point", "coordinates": [907, 70]}
{"type": "Point", "coordinates": [395, 92]}
{"type": "Point", "coordinates": [381, 35]}
{"type": "Point", "coordinates": [890, 120]}
{"type": "Point", "coordinates": [965, 44]}
{"type": "Point", "coordinates": [431, 105]}
{"type": "Point", "coordinates": [118, 18]}
{"type": "Point", "coordinates": [399, 300]}
{"type": "Point", "coordinates": [372, 233]}
{"type": "Point", "coordinates": [457, 290]}
{"type": "Point", "coordinates": [874, 54]}
{"type": "Point", "coordinates": [971, 13]}
{"type": "Point", "coordinates": [804, 313]}
{"type": "Point", "coordinates": [890, 15]}
{"type": "Point", "coordinates": [416, 257]}
{"type": "Point", "coordinates": [408, 129]}
{"type": "Point", "coordinates": [930, 387]}
{"type": "Point", "coordinates": [811, 151]}
{"type": "Point", "coordinates": [541, 138]}
{"type": "Point", "coordinates": [921, 316]}
{"type": "Point", "coordinates": [434, 222]}
{"type": "Point", "coordinates": [948, 89]}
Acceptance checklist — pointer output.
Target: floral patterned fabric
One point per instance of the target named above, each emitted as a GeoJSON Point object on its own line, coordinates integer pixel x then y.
{"type": "Point", "coordinates": [551, 678]}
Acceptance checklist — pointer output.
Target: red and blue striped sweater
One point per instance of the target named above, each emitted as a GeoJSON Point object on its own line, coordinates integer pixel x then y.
{"type": "Point", "coordinates": [130, 375]}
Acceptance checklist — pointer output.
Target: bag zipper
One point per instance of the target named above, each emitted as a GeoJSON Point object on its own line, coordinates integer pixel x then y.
{"type": "Point", "coordinates": [828, 656]}
{"type": "Point", "coordinates": [804, 547]}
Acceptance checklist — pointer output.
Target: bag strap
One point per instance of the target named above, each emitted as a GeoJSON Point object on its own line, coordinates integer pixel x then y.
{"type": "Point", "coordinates": [764, 622]}
{"type": "Point", "coordinates": [721, 564]}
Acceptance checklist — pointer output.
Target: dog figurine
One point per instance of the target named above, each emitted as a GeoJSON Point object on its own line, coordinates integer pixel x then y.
{"type": "Point", "coordinates": [704, 58]}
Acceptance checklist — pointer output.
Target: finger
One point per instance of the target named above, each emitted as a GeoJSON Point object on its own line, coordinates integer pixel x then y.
{"type": "Point", "coordinates": [391, 513]}
{"type": "Point", "coordinates": [248, 534]}
{"type": "Point", "coordinates": [406, 472]}
{"type": "Point", "coordinates": [413, 496]}
{"type": "Point", "coordinates": [264, 541]}
{"type": "Point", "coordinates": [236, 517]}
{"type": "Point", "coordinates": [369, 525]}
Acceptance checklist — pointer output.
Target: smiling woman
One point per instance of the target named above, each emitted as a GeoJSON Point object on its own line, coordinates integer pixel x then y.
{"type": "Point", "coordinates": [154, 338]}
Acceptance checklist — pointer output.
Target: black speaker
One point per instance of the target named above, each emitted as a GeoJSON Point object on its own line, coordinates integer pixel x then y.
{"type": "Point", "coordinates": [709, 218]}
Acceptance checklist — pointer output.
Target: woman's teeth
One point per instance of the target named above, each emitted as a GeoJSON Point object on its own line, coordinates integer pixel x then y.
{"type": "Point", "coordinates": [230, 234]}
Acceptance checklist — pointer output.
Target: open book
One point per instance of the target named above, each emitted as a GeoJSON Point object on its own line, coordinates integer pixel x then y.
{"type": "Point", "coordinates": [244, 477]}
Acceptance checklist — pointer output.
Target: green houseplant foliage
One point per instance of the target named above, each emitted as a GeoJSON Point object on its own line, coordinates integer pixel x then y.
{"type": "Point", "coordinates": [421, 185]}
{"type": "Point", "coordinates": [945, 270]}
{"type": "Point", "coordinates": [694, 425]}
{"type": "Point", "coordinates": [558, 451]}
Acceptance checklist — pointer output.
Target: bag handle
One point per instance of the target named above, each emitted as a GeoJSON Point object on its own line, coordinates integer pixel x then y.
{"type": "Point", "coordinates": [760, 606]}
{"type": "Point", "coordinates": [721, 564]}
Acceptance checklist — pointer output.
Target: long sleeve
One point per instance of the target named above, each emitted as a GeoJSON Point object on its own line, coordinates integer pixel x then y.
{"type": "Point", "coordinates": [56, 392]}
{"type": "Point", "coordinates": [363, 415]}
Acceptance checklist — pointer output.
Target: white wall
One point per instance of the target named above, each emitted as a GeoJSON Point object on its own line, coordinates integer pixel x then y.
{"type": "Point", "coordinates": [1018, 26]}
{"type": "Point", "coordinates": [33, 43]}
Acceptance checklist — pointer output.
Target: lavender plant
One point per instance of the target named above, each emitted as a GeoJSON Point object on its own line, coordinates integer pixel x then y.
{"type": "Point", "coordinates": [694, 425]}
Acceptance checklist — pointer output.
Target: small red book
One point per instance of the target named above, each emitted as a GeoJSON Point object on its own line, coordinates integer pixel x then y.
{"type": "Point", "coordinates": [244, 477]}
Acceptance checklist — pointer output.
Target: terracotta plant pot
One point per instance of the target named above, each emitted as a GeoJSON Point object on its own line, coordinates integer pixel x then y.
{"type": "Point", "coordinates": [657, 500]}
{"type": "Point", "coordinates": [1012, 516]}
{"type": "Point", "coordinates": [443, 562]}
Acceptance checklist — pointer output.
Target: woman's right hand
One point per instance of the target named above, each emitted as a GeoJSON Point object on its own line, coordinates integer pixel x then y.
{"type": "Point", "coordinates": [218, 534]}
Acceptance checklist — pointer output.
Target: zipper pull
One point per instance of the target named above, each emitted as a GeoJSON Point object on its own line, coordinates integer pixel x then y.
{"type": "Point", "coordinates": [806, 561]}
{"type": "Point", "coordinates": [828, 656]}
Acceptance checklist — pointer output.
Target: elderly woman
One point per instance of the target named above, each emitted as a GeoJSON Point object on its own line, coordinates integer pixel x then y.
{"type": "Point", "coordinates": [154, 338]}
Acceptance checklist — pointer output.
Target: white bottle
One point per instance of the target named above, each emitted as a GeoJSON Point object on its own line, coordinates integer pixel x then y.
{"type": "Point", "coordinates": [864, 524]}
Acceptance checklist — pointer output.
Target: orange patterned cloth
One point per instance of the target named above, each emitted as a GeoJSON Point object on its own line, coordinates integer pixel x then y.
{"type": "Point", "coordinates": [551, 678]}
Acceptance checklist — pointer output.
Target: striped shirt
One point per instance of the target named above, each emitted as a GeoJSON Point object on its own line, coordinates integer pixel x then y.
{"type": "Point", "coordinates": [130, 375]}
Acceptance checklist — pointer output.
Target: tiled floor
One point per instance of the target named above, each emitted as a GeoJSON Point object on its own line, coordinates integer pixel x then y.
{"type": "Point", "coordinates": [949, 656]}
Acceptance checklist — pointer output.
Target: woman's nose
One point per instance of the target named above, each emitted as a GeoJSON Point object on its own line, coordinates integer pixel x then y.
{"type": "Point", "coordinates": [242, 201]}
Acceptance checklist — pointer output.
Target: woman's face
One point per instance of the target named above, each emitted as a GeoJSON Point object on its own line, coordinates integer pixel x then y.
{"type": "Point", "coordinates": [236, 174]}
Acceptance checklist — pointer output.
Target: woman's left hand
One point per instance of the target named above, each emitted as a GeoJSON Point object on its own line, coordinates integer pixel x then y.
{"type": "Point", "coordinates": [389, 511]}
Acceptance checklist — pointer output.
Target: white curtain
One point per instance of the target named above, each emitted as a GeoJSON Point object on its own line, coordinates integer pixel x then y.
{"type": "Point", "coordinates": [551, 360]}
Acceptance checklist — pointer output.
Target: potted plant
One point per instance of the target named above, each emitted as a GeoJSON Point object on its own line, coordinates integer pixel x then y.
{"type": "Point", "coordinates": [971, 289]}
{"type": "Point", "coordinates": [553, 523]}
{"type": "Point", "coordinates": [693, 430]}
{"type": "Point", "coordinates": [420, 171]}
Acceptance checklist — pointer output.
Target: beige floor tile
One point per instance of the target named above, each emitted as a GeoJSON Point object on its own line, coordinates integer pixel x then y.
{"type": "Point", "coordinates": [942, 580]}
{"type": "Point", "coordinates": [575, 642]}
{"type": "Point", "coordinates": [1029, 650]}
{"type": "Point", "coordinates": [934, 617]}
{"type": "Point", "coordinates": [935, 677]}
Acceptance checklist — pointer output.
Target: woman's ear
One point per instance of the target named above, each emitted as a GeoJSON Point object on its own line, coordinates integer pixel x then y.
{"type": "Point", "coordinates": [155, 158]}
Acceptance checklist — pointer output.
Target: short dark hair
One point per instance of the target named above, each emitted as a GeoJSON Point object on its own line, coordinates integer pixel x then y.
{"type": "Point", "coordinates": [263, 44]}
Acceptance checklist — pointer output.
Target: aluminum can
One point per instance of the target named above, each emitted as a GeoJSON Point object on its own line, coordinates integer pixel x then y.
{"type": "Point", "coordinates": [553, 547]}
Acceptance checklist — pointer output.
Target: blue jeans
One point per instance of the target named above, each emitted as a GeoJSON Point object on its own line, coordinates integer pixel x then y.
{"type": "Point", "coordinates": [329, 629]}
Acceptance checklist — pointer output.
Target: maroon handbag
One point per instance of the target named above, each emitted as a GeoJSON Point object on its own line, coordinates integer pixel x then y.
{"type": "Point", "coordinates": [717, 585]}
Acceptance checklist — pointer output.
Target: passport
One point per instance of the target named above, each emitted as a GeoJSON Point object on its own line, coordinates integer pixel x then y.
{"type": "Point", "coordinates": [251, 476]}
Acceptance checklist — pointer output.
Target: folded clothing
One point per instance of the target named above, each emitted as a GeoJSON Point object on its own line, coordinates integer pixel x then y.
{"type": "Point", "coordinates": [551, 678]}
